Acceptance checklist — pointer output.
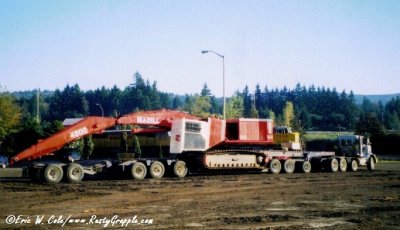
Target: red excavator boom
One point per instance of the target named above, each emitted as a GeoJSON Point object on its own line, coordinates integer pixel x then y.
{"type": "Point", "coordinates": [55, 142]}
{"type": "Point", "coordinates": [89, 125]}
{"type": "Point", "coordinates": [159, 118]}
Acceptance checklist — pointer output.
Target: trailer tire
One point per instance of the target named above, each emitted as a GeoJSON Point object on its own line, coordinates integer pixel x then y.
{"type": "Point", "coordinates": [371, 164]}
{"type": "Point", "coordinates": [157, 170]}
{"type": "Point", "coordinates": [334, 165]}
{"type": "Point", "coordinates": [275, 166]}
{"type": "Point", "coordinates": [180, 169]}
{"type": "Point", "coordinates": [353, 165]}
{"type": "Point", "coordinates": [342, 165]}
{"type": "Point", "coordinates": [306, 167]}
{"type": "Point", "coordinates": [75, 173]}
{"type": "Point", "coordinates": [53, 173]}
{"type": "Point", "coordinates": [289, 166]}
{"type": "Point", "coordinates": [139, 171]}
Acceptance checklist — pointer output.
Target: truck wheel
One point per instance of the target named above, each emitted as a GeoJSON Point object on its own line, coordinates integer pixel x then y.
{"type": "Point", "coordinates": [306, 167]}
{"type": "Point", "coordinates": [275, 166]}
{"type": "Point", "coordinates": [342, 165]}
{"type": "Point", "coordinates": [157, 170]}
{"type": "Point", "coordinates": [334, 165]}
{"type": "Point", "coordinates": [289, 166]}
{"type": "Point", "coordinates": [53, 173]}
{"type": "Point", "coordinates": [371, 164]}
{"type": "Point", "coordinates": [139, 171]}
{"type": "Point", "coordinates": [75, 173]}
{"type": "Point", "coordinates": [354, 165]}
{"type": "Point", "coordinates": [180, 169]}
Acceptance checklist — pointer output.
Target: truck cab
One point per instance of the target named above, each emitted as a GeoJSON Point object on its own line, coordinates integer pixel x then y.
{"type": "Point", "coordinates": [358, 147]}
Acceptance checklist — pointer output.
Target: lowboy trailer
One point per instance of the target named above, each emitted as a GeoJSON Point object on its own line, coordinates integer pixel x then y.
{"type": "Point", "coordinates": [183, 143]}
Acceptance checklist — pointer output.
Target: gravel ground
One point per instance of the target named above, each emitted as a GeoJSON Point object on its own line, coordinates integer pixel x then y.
{"type": "Point", "coordinates": [351, 200]}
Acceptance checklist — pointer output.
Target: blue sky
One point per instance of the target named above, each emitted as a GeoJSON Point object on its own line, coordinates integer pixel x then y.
{"type": "Point", "coordinates": [349, 45]}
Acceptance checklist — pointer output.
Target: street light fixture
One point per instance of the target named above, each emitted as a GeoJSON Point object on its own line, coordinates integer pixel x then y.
{"type": "Point", "coordinates": [223, 76]}
{"type": "Point", "coordinates": [102, 111]}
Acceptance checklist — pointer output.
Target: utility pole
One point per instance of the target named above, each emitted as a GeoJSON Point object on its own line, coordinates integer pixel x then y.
{"type": "Point", "coordinates": [223, 78]}
{"type": "Point", "coordinates": [102, 110]}
{"type": "Point", "coordinates": [37, 106]}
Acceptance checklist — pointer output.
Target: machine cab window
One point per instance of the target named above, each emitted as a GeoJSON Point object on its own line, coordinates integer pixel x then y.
{"type": "Point", "coordinates": [282, 129]}
{"type": "Point", "coordinates": [193, 127]}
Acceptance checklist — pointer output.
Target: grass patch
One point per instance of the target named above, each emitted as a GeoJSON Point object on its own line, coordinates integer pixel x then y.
{"type": "Point", "coordinates": [324, 135]}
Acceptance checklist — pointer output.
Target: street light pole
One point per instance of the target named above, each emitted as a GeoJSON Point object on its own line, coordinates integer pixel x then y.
{"type": "Point", "coordinates": [223, 77]}
{"type": "Point", "coordinates": [102, 111]}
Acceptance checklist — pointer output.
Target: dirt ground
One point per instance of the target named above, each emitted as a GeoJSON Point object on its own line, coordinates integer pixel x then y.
{"type": "Point", "coordinates": [359, 200]}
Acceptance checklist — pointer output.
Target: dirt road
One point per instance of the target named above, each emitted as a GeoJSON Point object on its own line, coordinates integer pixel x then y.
{"type": "Point", "coordinates": [367, 200]}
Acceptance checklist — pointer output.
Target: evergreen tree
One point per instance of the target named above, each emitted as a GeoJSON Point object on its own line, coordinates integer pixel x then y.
{"type": "Point", "coordinates": [246, 102]}
{"type": "Point", "coordinates": [205, 91]}
{"type": "Point", "coordinates": [392, 114]}
{"type": "Point", "coordinates": [176, 103]}
{"type": "Point", "coordinates": [370, 126]}
{"type": "Point", "coordinates": [115, 97]}
{"type": "Point", "coordinates": [259, 100]}
{"type": "Point", "coordinates": [216, 107]}
{"type": "Point", "coordinates": [69, 103]}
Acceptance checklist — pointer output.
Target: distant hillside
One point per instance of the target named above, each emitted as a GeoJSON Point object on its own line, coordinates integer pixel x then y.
{"type": "Point", "coordinates": [30, 93]}
{"type": "Point", "coordinates": [376, 98]}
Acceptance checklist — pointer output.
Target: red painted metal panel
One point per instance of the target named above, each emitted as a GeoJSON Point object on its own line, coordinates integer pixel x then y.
{"type": "Point", "coordinates": [217, 130]}
{"type": "Point", "coordinates": [252, 129]}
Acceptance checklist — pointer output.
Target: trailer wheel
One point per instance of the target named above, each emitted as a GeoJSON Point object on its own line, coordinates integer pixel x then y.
{"type": "Point", "coordinates": [334, 165]}
{"type": "Point", "coordinates": [354, 165]}
{"type": "Point", "coordinates": [53, 173]}
{"type": "Point", "coordinates": [306, 167]}
{"type": "Point", "coordinates": [180, 169]}
{"type": "Point", "coordinates": [371, 164]}
{"type": "Point", "coordinates": [275, 166]}
{"type": "Point", "coordinates": [342, 165]}
{"type": "Point", "coordinates": [75, 173]}
{"type": "Point", "coordinates": [289, 166]}
{"type": "Point", "coordinates": [157, 170]}
{"type": "Point", "coordinates": [139, 171]}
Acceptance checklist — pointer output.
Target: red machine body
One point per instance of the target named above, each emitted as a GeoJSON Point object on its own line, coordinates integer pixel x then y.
{"type": "Point", "coordinates": [89, 125]}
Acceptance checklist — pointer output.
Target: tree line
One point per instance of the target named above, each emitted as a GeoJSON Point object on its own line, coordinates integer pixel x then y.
{"type": "Point", "coordinates": [303, 108]}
